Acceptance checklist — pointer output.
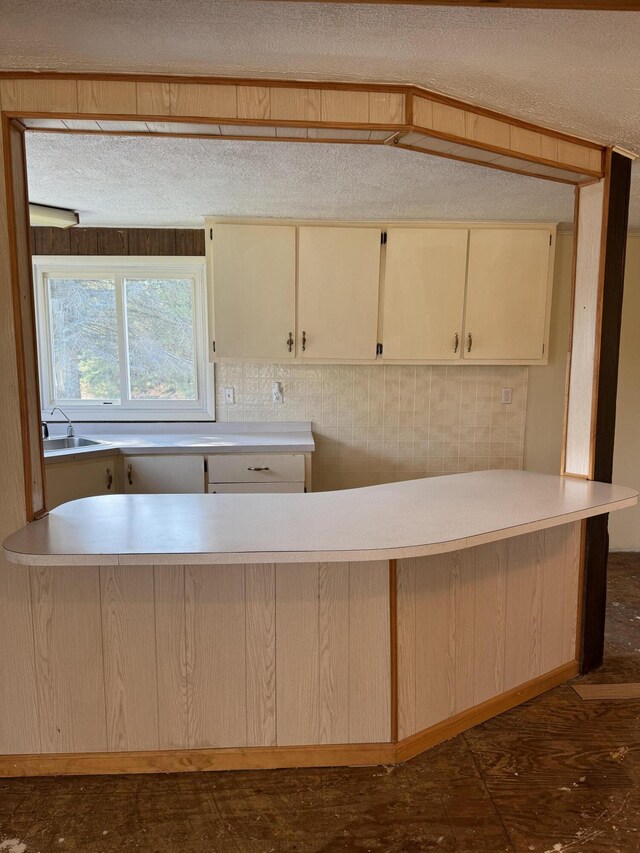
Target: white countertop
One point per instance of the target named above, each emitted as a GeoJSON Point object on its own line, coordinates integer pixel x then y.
{"type": "Point", "coordinates": [397, 520]}
{"type": "Point", "coordinates": [219, 438]}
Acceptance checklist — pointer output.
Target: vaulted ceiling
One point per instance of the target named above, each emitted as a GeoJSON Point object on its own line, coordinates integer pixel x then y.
{"type": "Point", "coordinates": [575, 71]}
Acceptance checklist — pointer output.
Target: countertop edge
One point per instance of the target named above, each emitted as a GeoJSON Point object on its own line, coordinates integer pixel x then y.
{"type": "Point", "coordinates": [241, 557]}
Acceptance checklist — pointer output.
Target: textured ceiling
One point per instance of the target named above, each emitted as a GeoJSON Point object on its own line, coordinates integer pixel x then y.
{"type": "Point", "coordinates": [576, 71]}
{"type": "Point", "coordinates": [113, 180]}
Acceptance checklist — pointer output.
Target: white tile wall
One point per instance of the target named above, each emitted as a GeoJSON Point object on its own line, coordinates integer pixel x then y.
{"type": "Point", "coordinates": [380, 423]}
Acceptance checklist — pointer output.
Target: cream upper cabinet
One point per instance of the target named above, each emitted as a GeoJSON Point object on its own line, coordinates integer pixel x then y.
{"type": "Point", "coordinates": [254, 282]}
{"type": "Point", "coordinates": [425, 273]}
{"type": "Point", "coordinates": [338, 283]}
{"type": "Point", "coordinates": [508, 293]}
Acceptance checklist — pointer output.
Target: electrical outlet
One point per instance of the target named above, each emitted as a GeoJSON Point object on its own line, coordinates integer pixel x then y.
{"type": "Point", "coordinates": [277, 393]}
{"type": "Point", "coordinates": [507, 395]}
{"type": "Point", "coordinates": [230, 396]}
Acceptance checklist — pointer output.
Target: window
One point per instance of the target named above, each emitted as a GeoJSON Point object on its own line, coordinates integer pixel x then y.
{"type": "Point", "coordinates": [123, 338]}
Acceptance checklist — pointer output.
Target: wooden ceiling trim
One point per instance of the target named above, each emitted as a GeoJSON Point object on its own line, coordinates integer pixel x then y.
{"type": "Point", "coordinates": [275, 103]}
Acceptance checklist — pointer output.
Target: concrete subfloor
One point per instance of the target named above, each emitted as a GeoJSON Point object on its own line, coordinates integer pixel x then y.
{"type": "Point", "coordinates": [556, 775]}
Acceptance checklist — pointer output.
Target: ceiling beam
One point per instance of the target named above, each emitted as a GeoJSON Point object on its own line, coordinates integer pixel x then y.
{"type": "Point", "coordinates": [580, 5]}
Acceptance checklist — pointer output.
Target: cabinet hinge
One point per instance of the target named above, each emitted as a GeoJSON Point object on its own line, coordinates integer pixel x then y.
{"type": "Point", "coordinates": [550, 239]}
{"type": "Point", "coordinates": [542, 349]}
{"type": "Point", "coordinates": [211, 233]}
{"type": "Point", "coordinates": [383, 238]}
{"type": "Point", "coordinates": [378, 349]}
{"type": "Point", "coordinates": [213, 345]}
{"type": "Point", "coordinates": [206, 466]}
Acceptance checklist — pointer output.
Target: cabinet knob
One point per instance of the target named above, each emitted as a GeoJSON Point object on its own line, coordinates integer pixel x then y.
{"type": "Point", "coordinates": [109, 478]}
{"type": "Point", "coordinates": [469, 342]}
{"type": "Point", "coordinates": [304, 341]}
{"type": "Point", "coordinates": [129, 474]}
{"type": "Point", "coordinates": [290, 341]}
{"type": "Point", "coordinates": [456, 341]}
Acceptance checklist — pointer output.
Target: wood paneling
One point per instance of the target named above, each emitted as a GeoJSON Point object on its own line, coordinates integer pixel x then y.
{"type": "Point", "coordinates": [341, 105]}
{"type": "Point", "coordinates": [295, 104]}
{"type": "Point", "coordinates": [215, 654]}
{"type": "Point", "coordinates": [69, 660]}
{"type": "Point", "coordinates": [51, 96]}
{"type": "Point", "coordinates": [333, 642]}
{"type": "Point", "coordinates": [153, 99]}
{"type": "Point", "coordinates": [297, 645]}
{"type": "Point", "coordinates": [489, 624]}
{"type": "Point", "coordinates": [207, 101]}
{"type": "Point", "coordinates": [19, 721]}
{"type": "Point", "coordinates": [254, 102]}
{"type": "Point", "coordinates": [260, 591]}
{"type": "Point", "coordinates": [129, 648]}
{"type": "Point", "coordinates": [386, 108]}
{"type": "Point", "coordinates": [525, 558]}
{"type": "Point", "coordinates": [118, 241]}
{"type": "Point", "coordinates": [369, 674]}
{"type": "Point", "coordinates": [171, 657]}
{"type": "Point", "coordinates": [478, 623]}
{"type": "Point", "coordinates": [105, 97]}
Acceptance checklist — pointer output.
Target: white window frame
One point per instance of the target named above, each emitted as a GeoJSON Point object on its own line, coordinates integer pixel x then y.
{"type": "Point", "coordinates": [96, 266]}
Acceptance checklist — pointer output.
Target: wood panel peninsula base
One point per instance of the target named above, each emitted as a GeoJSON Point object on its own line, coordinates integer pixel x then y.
{"type": "Point", "coordinates": [168, 633]}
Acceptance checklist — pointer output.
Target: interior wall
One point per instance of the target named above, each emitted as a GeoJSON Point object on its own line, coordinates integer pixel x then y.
{"type": "Point", "coordinates": [545, 403]}
{"type": "Point", "coordinates": [380, 423]}
{"type": "Point", "coordinates": [624, 527]}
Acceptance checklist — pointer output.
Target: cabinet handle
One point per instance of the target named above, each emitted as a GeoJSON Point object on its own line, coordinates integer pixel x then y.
{"type": "Point", "coordinates": [304, 341]}
{"type": "Point", "coordinates": [109, 478]}
{"type": "Point", "coordinates": [265, 468]}
{"type": "Point", "coordinates": [290, 342]}
{"type": "Point", "coordinates": [469, 342]}
{"type": "Point", "coordinates": [456, 341]}
{"type": "Point", "coordinates": [129, 472]}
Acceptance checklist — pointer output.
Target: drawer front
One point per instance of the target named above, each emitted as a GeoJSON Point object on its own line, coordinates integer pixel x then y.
{"type": "Point", "coordinates": [256, 468]}
{"type": "Point", "coordinates": [255, 488]}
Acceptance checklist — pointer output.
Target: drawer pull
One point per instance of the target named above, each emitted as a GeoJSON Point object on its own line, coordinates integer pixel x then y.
{"type": "Point", "coordinates": [469, 342]}
{"type": "Point", "coordinates": [109, 478]}
{"type": "Point", "coordinates": [129, 474]}
{"type": "Point", "coordinates": [265, 468]}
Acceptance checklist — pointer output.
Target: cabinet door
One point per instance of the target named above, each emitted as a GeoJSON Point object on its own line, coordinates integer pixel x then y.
{"type": "Point", "coordinates": [70, 481]}
{"type": "Point", "coordinates": [338, 282]}
{"type": "Point", "coordinates": [425, 273]}
{"type": "Point", "coordinates": [254, 278]}
{"type": "Point", "coordinates": [507, 291]}
{"type": "Point", "coordinates": [167, 475]}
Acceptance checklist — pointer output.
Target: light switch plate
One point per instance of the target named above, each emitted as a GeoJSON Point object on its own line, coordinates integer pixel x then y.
{"type": "Point", "coordinates": [230, 395]}
{"type": "Point", "coordinates": [277, 393]}
{"type": "Point", "coordinates": [507, 395]}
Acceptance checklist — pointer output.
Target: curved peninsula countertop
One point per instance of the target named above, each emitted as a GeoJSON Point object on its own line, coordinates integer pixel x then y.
{"type": "Point", "coordinates": [413, 518]}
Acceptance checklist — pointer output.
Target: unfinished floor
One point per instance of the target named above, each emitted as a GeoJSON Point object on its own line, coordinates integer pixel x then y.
{"type": "Point", "coordinates": [554, 775]}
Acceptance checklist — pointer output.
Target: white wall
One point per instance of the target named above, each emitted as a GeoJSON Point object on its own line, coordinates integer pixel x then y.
{"type": "Point", "coordinates": [624, 527]}
{"type": "Point", "coordinates": [545, 404]}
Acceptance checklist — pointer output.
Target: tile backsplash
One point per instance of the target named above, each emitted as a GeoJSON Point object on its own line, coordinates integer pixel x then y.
{"type": "Point", "coordinates": [380, 423]}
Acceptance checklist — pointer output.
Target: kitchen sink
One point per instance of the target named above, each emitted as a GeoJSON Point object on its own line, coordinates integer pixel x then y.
{"type": "Point", "coordinates": [66, 443]}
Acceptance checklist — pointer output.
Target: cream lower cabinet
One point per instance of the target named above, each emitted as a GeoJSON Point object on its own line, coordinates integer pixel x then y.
{"type": "Point", "coordinates": [338, 283]}
{"type": "Point", "coordinates": [164, 474]}
{"type": "Point", "coordinates": [254, 275]}
{"type": "Point", "coordinates": [508, 294]}
{"type": "Point", "coordinates": [424, 283]}
{"type": "Point", "coordinates": [70, 481]}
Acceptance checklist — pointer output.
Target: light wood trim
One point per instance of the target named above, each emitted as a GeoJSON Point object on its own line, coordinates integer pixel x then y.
{"type": "Point", "coordinates": [393, 643]}
{"type": "Point", "coordinates": [567, 380]}
{"type": "Point", "coordinates": [198, 760]}
{"type": "Point", "coordinates": [414, 745]}
{"type": "Point", "coordinates": [153, 98]}
{"type": "Point", "coordinates": [36, 93]}
{"type": "Point", "coordinates": [198, 100]}
{"type": "Point", "coordinates": [593, 692]}
{"type": "Point", "coordinates": [24, 316]}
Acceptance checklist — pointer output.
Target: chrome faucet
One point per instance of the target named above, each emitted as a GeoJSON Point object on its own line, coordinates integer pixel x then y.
{"type": "Point", "coordinates": [70, 430]}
